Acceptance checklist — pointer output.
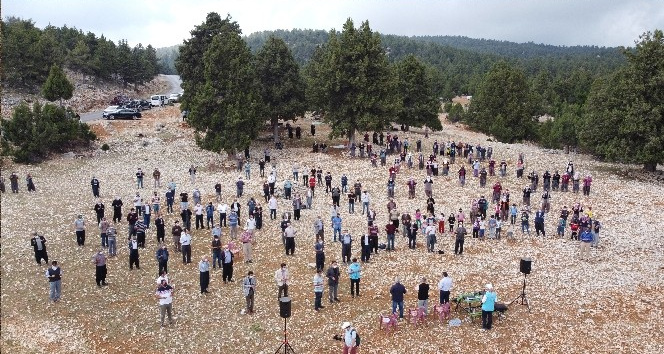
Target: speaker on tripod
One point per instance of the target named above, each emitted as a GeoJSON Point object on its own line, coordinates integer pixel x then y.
{"type": "Point", "coordinates": [285, 313]}
{"type": "Point", "coordinates": [525, 266]}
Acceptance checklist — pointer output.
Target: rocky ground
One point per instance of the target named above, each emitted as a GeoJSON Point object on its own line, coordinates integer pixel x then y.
{"type": "Point", "coordinates": [89, 94]}
{"type": "Point", "coordinates": [613, 303]}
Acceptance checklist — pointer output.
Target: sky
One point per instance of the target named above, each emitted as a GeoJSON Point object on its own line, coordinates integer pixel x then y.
{"type": "Point", "coordinates": [163, 23]}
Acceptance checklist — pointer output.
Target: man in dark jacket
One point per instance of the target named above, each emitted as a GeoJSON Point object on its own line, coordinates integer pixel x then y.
{"type": "Point", "coordinates": [397, 291]}
{"type": "Point", "coordinates": [117, 209]}
{"type": "Point", "coordinates": [38, 243]}
{"type": "Point", "coordinates": [333, 281]}
{"type": "Point", "coordinates": [162, 259]}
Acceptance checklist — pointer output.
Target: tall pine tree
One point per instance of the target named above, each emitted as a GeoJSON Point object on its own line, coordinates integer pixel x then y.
{"type": "Point", "coordinates": [419, 106]}
{"type": "Point", "coordinates": [281, 85]}
{"type": "Point", "coordinates": [351, 81]}
{"type": "Point", "coordinates": [220, 90]}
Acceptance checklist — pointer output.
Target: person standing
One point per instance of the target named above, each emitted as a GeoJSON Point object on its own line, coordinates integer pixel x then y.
{"type": "Point", "coordinates": [233, 220]}
{"type": "Point", "coordinates": [318, 290]}
{"type": "Point", "coordinates": [111, 235]}
{"type": "Point", "coordinates": [162, 259]}
{"type": "Point", "coordinates": [38, 243]}
{"type": "Point", "coordinates": [272, 205]}
{"type": "Point", "coordinates": [333, 282]}
{"type": "Point", "coordinates": [176, 231]}
{"type": "Point", "coordinates": [100, 268]}
{"type": "Point", "coordinates": [117, 209]}
{"type": "Point", "coordinates": [95, 187]}
{"type": "Point", "coordinates": [204, 270]}
{"type": "Point", "coordinates": [354, 271]}
{"type": "Point", "coordinates": [139, 178]}
{"type": "Point", "coordinates": [319, 248]}
{"type": "Point", "coordinates": [165, 295]}
{"type": "Point", "coordinates": [423, 295]}
{"type": "Point", "coordinates": [79, 227]}
{"type": "Point", "coordinates": [488, 306]}
{"type": "Point", "coordinates": [430, 231]}
{"type": "Point", "coordinates": [192, 174]}
{"type": "Point", "coordinates": [346, 246]}
{"type": "Point", "coordinates": [460, 235]}
{"type": "Point", "coordinates": [161, 228]}
{"type": "Point", "coordinates": [586, 238]}
{"type": "Point", "coordinates": [156, 175]}
{"type": "Point", "coordinates": [397, 291]}
{"type": "Point", "coordinates": [289, 235]}
{"type": "Point", "coordinates": [133, 253]}
{"type": "Point", "coordinates": [246, 238]}
{"type": "Point", "coordinates": [103, 229]}
{"type": "Point", "coordinates": [350, 338]}
{"type": "Point", "coordinates": [445, 286]}
{"type": "Point", "coordinates": [54, 276]}
{"type": "Point", "coordinates": [249, 289]}
{"type": "Point", "coordinates": [185, 241]}
{"type": "Point", "coordinates": [282, 278]}
{"type": "Point", "coordinates": [138, 203]}
{"type": "Point", "coordinates": [99, 209]}
{"type": "Point", "coordinates": [227, 265]}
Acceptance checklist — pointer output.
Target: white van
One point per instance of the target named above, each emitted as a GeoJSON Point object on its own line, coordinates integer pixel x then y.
{"type": "Point", "coordinates": [158, 100]}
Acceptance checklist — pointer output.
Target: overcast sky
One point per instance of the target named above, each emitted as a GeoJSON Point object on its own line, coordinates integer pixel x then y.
{"type": "Point", "coordinates": [165, 22]}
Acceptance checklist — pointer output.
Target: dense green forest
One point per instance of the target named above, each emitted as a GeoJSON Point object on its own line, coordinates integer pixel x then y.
{"type": "Point", "coordinates": [29, 52]}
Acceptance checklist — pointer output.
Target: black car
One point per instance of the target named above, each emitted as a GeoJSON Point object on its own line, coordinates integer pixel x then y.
{"type": "Point", "coordinates": [122, 113]}
{"type": "Point", "coordinates": [139, 105]}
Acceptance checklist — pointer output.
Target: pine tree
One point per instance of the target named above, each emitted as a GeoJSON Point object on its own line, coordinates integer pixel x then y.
{"type": "Point", "coordinates": [503, 106]}
{"type": "Point", "coordinates": [624, 119]}
{"type": "Point", "coordinates": [224, 103]}
{"type": "Point", "coordinates": [57, 86]}
{"type": "Point", "coordinates": [352, 82]}
{"type": "Point", "coordinates": [419, 105]}
{"type": "Point", "coordinates": [281, 86]}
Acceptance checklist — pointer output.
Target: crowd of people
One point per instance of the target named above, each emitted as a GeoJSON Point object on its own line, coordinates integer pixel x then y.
{"type": "Point", "coordinates": [301, 188]}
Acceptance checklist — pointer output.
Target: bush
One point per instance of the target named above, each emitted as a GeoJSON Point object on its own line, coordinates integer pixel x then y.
{"type": "Point", "coordinates": [105, 147]}
{"type": "Point", "coordinates": [31, 134]}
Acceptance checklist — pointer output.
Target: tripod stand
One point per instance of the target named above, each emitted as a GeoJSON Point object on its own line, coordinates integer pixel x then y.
{"type": "Point", "coordinates": [287, 347]}
{"type": "Point", "coordinates": [522, 296]}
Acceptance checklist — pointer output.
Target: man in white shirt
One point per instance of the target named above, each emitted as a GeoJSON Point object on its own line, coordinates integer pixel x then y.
{"type": "Point", "coordinates": [289, 235]}
{"type": "Point", "coordinates": [198, 210]}
{"type": "Point", "coordinates": [430, 231]}
{"type": "Point", "coordinates": [185, 241]}
{"type": "Point", "coordinates": [221, 209]}
{"type": "Point", "coordinates": [445, 286]}
{"type": "Point", "coordinates": [250, 225]}
{"type": "Point", "coordinates": [282, 278]}
{"type": "Point", "coordinates": [165, 295]}
{"type": "Point", "coordinates": [365, 201]}
{"type": "Point", "coordinates": [272, 205]}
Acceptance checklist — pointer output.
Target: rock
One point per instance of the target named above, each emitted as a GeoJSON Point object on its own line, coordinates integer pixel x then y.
{"type": "Point", "coordinates": [69, 155]}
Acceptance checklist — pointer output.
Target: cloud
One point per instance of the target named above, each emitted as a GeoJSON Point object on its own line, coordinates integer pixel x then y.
{"type": "Point", "coordinates": [163, 23]}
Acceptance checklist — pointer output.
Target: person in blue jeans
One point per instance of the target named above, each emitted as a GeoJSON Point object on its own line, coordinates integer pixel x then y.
{"type": "Point", "coordinates": [397, 291]}
{"type": "Point", "coordinates": [488, 306]}
{"type": "Point", "coordinates": [336, 226]}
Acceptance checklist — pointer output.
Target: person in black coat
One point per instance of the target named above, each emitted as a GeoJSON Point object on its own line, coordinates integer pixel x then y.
{"type": "Point", "coordinates": [226, 265]}
{"type": "Point", "coordinates": [38, 243]}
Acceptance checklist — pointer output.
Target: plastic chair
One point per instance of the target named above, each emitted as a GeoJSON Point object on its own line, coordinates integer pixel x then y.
{"type": "Point", "coordinates": [443, 311]}
{"type": "Point", "coordinates": [388, 322]}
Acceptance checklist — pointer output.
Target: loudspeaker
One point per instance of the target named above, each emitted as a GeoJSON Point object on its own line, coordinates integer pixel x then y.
{"type": "Point", "coordinates": [285, 307]}
{"type": "Point", "coordinates": [525, 265]}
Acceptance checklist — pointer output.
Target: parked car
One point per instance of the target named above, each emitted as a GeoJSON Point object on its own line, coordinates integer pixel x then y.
{"type": "Point", "coordinates": [138, 105]}
{"type": "Point", "coordinates": [159, 100]}
{"type": "Point", "coordinates": [111, 109]}
{"type": "Point", "coordinates": [122, 113]}
{"type": "Point", "coordinates": [174, 97]}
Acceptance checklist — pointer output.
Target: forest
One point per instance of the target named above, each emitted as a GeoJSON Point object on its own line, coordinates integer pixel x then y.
{"type": "Point", "coordinates": [28, 53]}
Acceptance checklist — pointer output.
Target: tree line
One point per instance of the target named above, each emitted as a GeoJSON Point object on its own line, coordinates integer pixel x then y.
{"type": "Point", "coordinates": [29, 52]}
{"type": "Point", "coordinates": [230, 92]}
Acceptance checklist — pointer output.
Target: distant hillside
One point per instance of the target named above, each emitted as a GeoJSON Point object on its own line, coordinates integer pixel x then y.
{"type": "Point", "coordinates": [458, 63]}
{"type": "Point", "coordinates": [528, 50]}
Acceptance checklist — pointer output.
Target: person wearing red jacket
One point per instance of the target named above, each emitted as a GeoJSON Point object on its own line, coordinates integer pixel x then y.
{"type": "Point", "coordinates": [390, 230]}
